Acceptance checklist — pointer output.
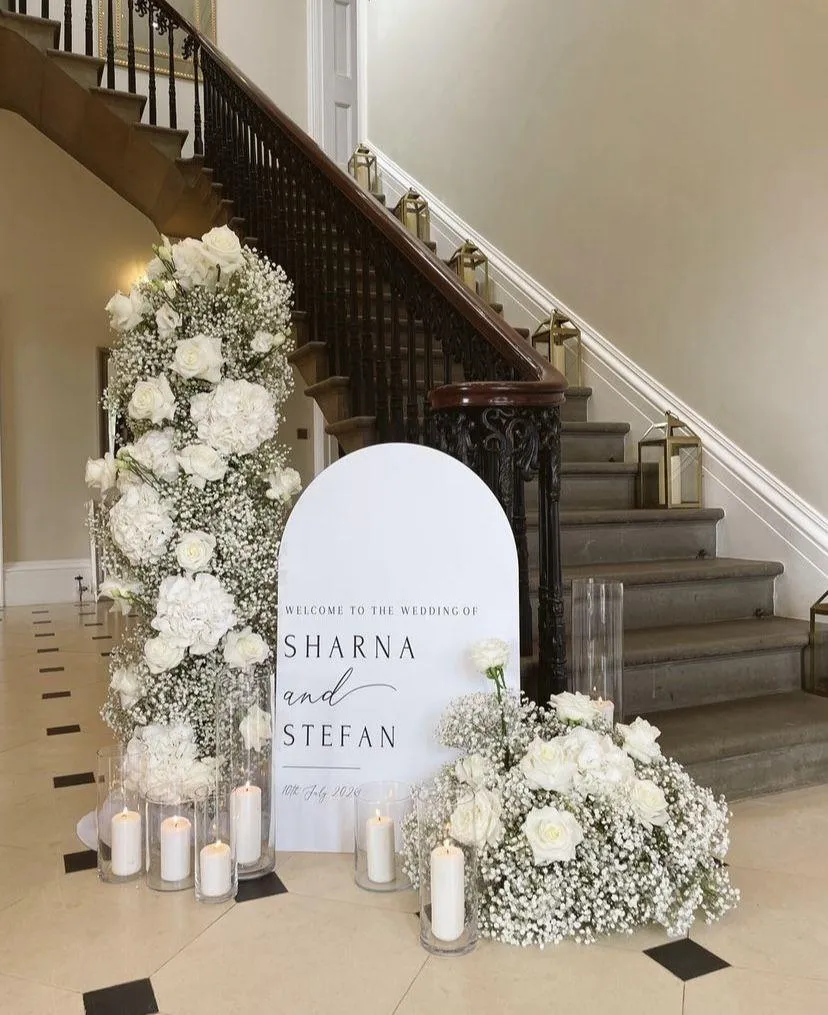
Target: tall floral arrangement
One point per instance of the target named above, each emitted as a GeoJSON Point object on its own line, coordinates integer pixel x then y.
{"type": "Point", "coordinates": [194, 505]}
{"type": "Point", "coordinates": [582, 829]}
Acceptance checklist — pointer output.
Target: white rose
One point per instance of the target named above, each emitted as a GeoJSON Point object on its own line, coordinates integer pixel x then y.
{"type": "Point", "coordinates": [102, 472]}
{"type": "Point", "coordinates": [120, 592]}
{"type": "Point", "coordinates": [198, 776]}
{"type": "Point", "coordinates": [126, 312]}
{"type": "Point", "coordinates": [553, 835]}
{"type": "Point", "coordinates": [128, 681]}
{"type": "Point", "coordinates": [155, 269]}
{"type": "Point", "coordinates": [547, 765]}
{"type": "Point", "coordinates": [640, 740]}
{"type": "Point", "coordinates": [264, 341]}
{"type": "Point", "coordinates": [222, 247]}
{"type": "Point", "coordinates": [202, 464]}
{"type": "Point", "coordinates": [489, 654]}
{"type": "Point", "coordinates": [194, 611]}
{"type": "Point", "coordinates": [475, 821]}
{"type": "Point", "coordinates": [162, 654]}
{"type": "Point", "coordinates": [575, 707]}
{"type": "Point", "coordinates": [199, 357]}
{"type": "Point", "coordinates": [167, 320]}
{"type": "Point", "coordinates": [140, 524]}
{"type": "Point", "coordinates": [244, 649]}
{"type": "Point", "coordinates": [235, 418]}
{"type": "Point", "coordinates": [195, 550]}
{"type": "Point", "coordinates": [473, 770]}
{"type": "Point", "coordinates": [602, 768]}
{"type": "Point", "coordinates": [153, 400]}
{"type": "Point", "coordinates": [155, 451]}
{"type": "Point", "coordinates": [285, 484]}
{"type": "Point", "coordinates": [255, 729]}
{"type": "Point", "coordinates": [648, 803]}
{"type": "Point", "coordinates": [192, 265]}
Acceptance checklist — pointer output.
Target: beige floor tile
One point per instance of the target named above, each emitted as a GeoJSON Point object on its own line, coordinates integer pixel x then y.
{"type": "Point", "coordinates": [24, 870]}
{"type": "Point", "coordinates": [746, 992]}
{"type": "Point", "coordinates": [647, 937]}
{"type": "Point", "coordinates": [46, 820]}
{"type": "Point", "coordinates": [780, 926]}
{"type": "Point", "coordinates": [331, 876]}
{"type": "Point", "coordinates": [298, 954]}
{"type": "Point", "coordinates": [785, 832]}
{"type": "Point", "coordinates": [75, 752]}
{"type": "Point", "coordinates": [497, 979]}
{"type": "Point", "coordinates": [81, 934]}
{"type": "Point", "coordinates": [23, 997]}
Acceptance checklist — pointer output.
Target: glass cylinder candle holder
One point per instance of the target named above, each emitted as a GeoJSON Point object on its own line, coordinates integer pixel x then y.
{"type": "Point", "coordinates": [448, 873]}
{"type": "Point", "coordinates": [216, 875]}
{"type": "Point", "coordinates": [598, 644]}
{"type": "Point", "coordinates": [170, 817]}
{"type": "Point", "coordinates": [119, 816]}
{"type": "Point", "coordinates": [244, 742]}
{"type": "Point", "coordinates": [379, 811]}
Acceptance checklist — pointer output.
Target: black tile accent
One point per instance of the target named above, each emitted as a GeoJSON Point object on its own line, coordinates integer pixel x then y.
{"type": "Point", "coordinates": [135, 998]}
{"type": "Point", "coordinates": [85, 860]}
{"type": "Point", "coordinates": [41, 621]}
{"type": "Point", "coordinates": [260, 888]}
{"type": "Point", "coordinates": [77, 779]}
{"type": "Point", "coordinates": [101, 637]}
{"type": "Point", "coordinates": [686, 959]}
{"type": "Point", "coordinates": [40, 611]}
{"type": "Point", "coordinates": [45, 634]}
{"type": "Point", "coordinates": [97, 623]}
{"type": "Point", "coordinates": [56, 694]}
{"type": "Point", "coordinates": [42, 650]}
{"type": "Point", "coordinates": [52, 669]}
{"type": "Point", "coordinates": [106, 654]}
{"type": "Point", "coordinates": [88, 614]}
{"type": "Point", "coordinates": [56, 731]}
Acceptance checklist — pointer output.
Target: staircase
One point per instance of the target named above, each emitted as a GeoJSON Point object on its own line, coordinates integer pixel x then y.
{"type": "Point", "coordinates": [392, 347]}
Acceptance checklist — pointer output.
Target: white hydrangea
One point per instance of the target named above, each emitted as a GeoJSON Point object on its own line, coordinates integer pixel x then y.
{"type": "Point", "coordinates": [194, 611]}
{"type": "Point", "coordinates": [140, 524]}
{"type": "Point", "coordinates": [235, 418]}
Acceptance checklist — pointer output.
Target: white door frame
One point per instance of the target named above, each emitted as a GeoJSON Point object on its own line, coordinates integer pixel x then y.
{"type": "Point", "coordinates": [323, 451]}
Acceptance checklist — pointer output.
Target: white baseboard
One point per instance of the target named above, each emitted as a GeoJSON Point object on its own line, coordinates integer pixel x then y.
{"type": "Point", "coordinates": [32, 582]}
{"type": "Point", "coordinates": [764, 518]}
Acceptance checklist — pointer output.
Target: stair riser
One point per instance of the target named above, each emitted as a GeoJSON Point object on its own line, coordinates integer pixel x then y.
{"type": "Point", "coordinates": [609, 492]}
{"type": "Point", "coordinates": [693, 602]}
{"type": "Point", "coordinates": [43, 34]}
{"type": "Point", "coordinates": [575, 409]}
{"type": "Point", "coordinates": [682, 683]}
{"type": "Point", "coordinates": [773, 771]}
{"type": "Point", "coordinates": [86, 73]}
{"type": "Point", "coordinates": [597, 544]}
{"type": "Point", "coordinates": [592, 447]}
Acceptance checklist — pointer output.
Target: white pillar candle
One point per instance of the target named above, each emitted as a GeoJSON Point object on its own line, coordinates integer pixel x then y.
{"type": "Point", "coordinates": [175, 848]}
{"type": "Point", "coordinates": [447, 892]}
{"type": "Point", "coordinates": [214, 869]}
{"type": "Point", "coordinates": [246, 814]}
{"type": "Point", "coordinates": [675, 481]}
{"type": "Point", "coordinates": [607, 710]}
{"type": "Point", "coordinates": [379, 848]}
{"type": "Point", "coordinates": [125, 839]}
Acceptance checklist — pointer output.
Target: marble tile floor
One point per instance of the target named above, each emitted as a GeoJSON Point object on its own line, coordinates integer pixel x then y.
{"type": "Point", "coordinates": [307, 940]}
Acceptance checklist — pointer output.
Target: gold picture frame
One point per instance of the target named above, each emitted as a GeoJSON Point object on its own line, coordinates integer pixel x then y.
{"type": "Point", "coordinates": [200, 13]}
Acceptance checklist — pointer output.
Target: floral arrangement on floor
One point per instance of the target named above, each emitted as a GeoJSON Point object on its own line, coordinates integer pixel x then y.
{"type": "Point", "coordinates": [193, 507]}
{"type": "Point", "coordinates": [582, 831]}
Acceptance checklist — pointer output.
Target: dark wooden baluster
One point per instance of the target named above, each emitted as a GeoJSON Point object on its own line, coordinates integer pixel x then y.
{"type": "Point", "coordinates": [381, 375]}
{"type": "Point", "coordinates": [24, 7]}
{"type": "Point", "coordinates": [89, 30]}
{"type": "Point", "coordinates": [551, 642]}
{"type": "Point", "coordinates": [413, 412]}
{"type": "Point", "coordinates": [67, 24]}
{"type": "Point", "coordinates": [369, 398]}
{"type": "Point", "coordinates": [110, 44]}
{"type": "Point", "coordinates": [521, 542]}
{"type": "Point", "coordinates": [131, 47]}
{"type": "Point", "coordinates": [198, 143]}
{"type": "Point", "coordinates": [44, 8]}
{"type": "Point", "coordinates": [173, 105]}
{"type": "Point", "coordinates": [341, 301]}
{"type": "Point", "coordinates": [354, 327]}
{"type": "Point", "coordinates": [331, 323]}
{"type": "Point", "coordinates": [428, 380]}
{"type": "Point", "coordinates": [396, 408]}
{"type": "Point", "coordinates": [153, 103]}
{"type": "Point", "coordinates": [12, 6]}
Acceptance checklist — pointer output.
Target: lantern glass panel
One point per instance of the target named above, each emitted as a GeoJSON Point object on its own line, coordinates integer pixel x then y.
{"type": "Point", "coordinates": [652, 475]}
{"type": "Point", "coordinates": [685, 489]}
{"type": "Point", "coordinates": [818, 670]}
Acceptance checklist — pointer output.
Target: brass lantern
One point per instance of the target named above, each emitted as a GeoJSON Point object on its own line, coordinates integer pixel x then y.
{"type": "Point", "coordinates": [362, 165]}
{"type": "Point", "coordinates": [466, 261]}
{"type": "Point", "coordinates": [559, 340]}
{"type": "Point", "coordinates": [818, 676]}
{"type": "Point", "coordinates": [670, 466]}
{"type": "Point", "coordinates": [412, 211]}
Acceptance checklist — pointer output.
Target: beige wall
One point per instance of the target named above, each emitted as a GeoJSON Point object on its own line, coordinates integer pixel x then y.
{"type": "Point", "coordinates": [660, 166]}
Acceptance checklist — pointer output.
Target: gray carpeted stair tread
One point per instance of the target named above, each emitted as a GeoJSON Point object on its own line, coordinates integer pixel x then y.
{"type": "Point", "coordinates": [590, 427]}
{"type": "Point", "coordinates": [599, 468]}
{"type": "Point", "coordinates": [639, 516]}
{"type": "Point", "coordinates": [745, 726]}
{"type": "Point", "coordinates": [662, 572]}
{"type": "Point", "coordinates": [698, 641]}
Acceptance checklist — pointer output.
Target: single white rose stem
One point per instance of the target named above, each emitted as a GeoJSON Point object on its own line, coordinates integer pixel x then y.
{"type": "Point", "coordinates": [447, 892]}
{"type": "Point", "coordinates": [214, 869]}
{"type": "Point", "coordinates": [125, 837]}
{"type": "Point", "coordinates": [175, 848]}
{"type": "Point", "coordinates": [246, 815]}
{"type": "Point", "coordinates": [379, 847]}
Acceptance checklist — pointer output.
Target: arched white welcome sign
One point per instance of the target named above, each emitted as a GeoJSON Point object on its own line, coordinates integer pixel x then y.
{"type": "Point", "coordinates": [393, 563]}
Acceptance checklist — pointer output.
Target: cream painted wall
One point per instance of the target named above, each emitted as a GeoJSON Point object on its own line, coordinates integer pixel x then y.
{"type": "Point", "coordinates": [660, 166]}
